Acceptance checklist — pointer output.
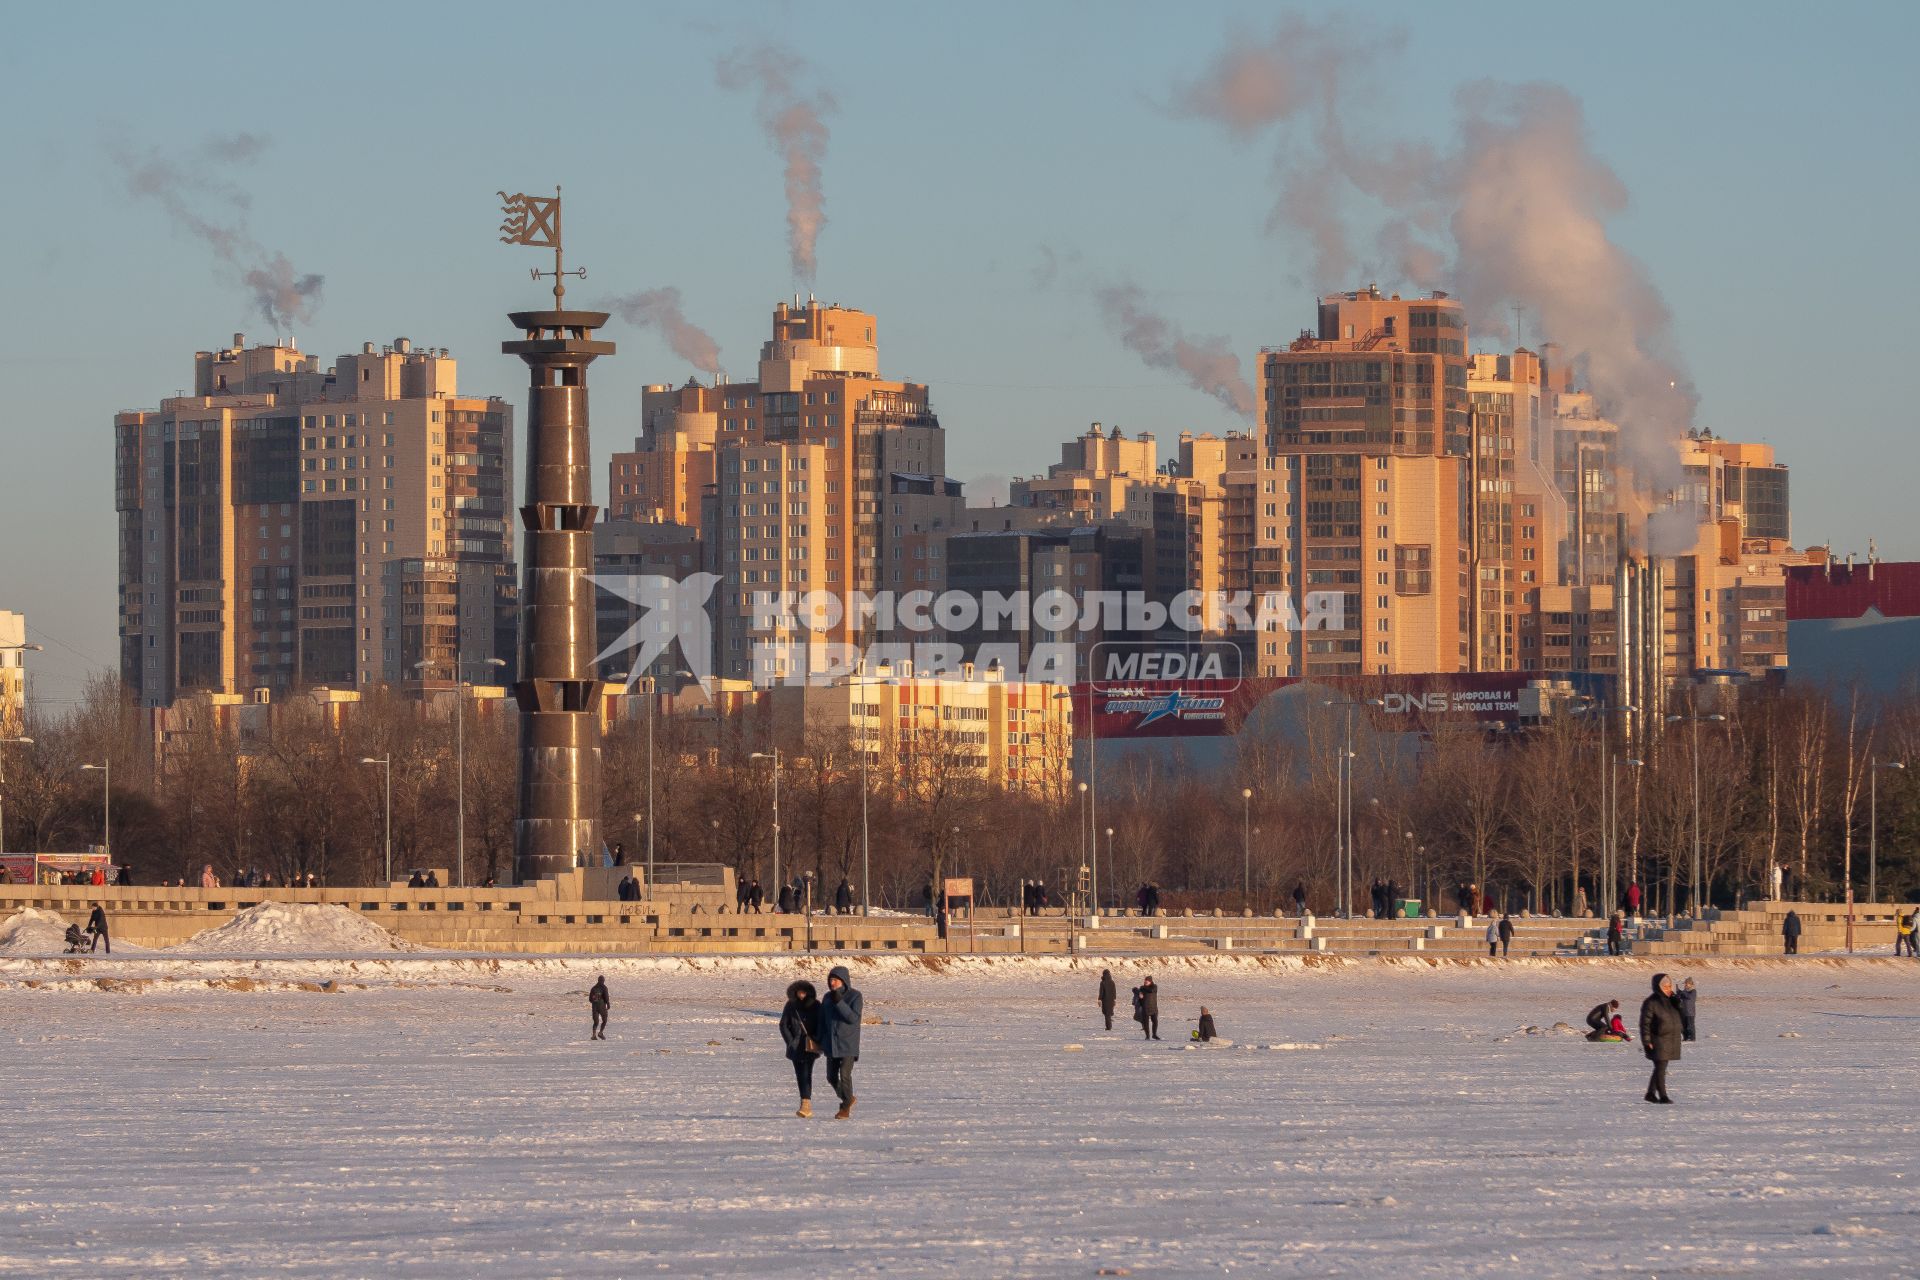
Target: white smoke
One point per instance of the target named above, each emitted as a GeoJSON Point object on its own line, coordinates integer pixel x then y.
{"type": "Point", "coordinates": [1514, 211]}
{"type": "Point", "coordinates": [795, 123]}
{"type": "Point", "coordinates": [195, 190]}
{"type": "Point", "coordinates": [1208, 363]}
{"type": "Point", "coordinates": [661, 309]}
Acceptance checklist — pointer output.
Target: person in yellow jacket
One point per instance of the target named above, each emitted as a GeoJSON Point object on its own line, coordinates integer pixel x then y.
{"type": "Point", "coordinates": [1903, 938]}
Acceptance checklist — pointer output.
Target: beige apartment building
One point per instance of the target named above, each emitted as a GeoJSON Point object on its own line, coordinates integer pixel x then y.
{"type": "Point", "coordinates": [13, 672]}
{"type": "Point", "coordinates": [1182, 505]}
{"type": "Point", "coordinates": [1368, 475]}
{"type": "Point", "coordinates": [269, 522]}
{"type": "Point", "coordinates": [1008, 734]}
{"type": "Point", "coordinates": [819, 475]}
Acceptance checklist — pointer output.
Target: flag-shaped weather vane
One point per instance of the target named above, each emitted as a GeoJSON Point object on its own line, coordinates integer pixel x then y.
{"type": "Point", "coordinates": [535, 220]}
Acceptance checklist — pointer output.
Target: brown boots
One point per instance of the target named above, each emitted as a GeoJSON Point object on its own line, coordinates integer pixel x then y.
{"type": "Point", "coordinates": [806, 1109]}
{"type": "Point", "coordinates": [846, 1110]}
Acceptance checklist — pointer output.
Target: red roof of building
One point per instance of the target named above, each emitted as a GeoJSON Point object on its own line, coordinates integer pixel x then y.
{"type": "Point", "coordinates": [1849, 591]}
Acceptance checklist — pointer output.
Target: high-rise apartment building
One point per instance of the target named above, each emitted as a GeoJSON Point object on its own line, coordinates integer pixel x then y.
{"type": "Point", "coordinates": [285, 526]}
{"type": "Point", "coordinates": [1369, 470]}
{"type": "Point", "coordinates": [819, 475]}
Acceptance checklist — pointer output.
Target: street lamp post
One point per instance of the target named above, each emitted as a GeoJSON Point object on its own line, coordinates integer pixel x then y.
{"type": "Point", "coordinates": [775, 757]}
{"type": "Point", "coordinates": [1599, 707]}
{"type": "Point", "coordinates": [106, 805]}
{"type": "Point", "coordinates": [386, 765]}
{"type": "Point", "coordinates": [1344, 803]}
{"type": "Point", "coordinates": [459, 759]}
{"type": "Point", "coordinates": [1613, 820]}
{"type": "Point", "coordinates": [7, 742]}
{"type": "Point", "coordinates": [1096, 849]}
{"type": "Point", "coordinates": [1693, 889]}
{"type": "Point", "coordinates": [1246, 846]}
{"type": "Point", "coordinates": [1873, 826]}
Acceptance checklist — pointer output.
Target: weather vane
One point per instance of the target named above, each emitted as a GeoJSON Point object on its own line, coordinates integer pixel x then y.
{"type": "Point", "coordinates": [535, 220]}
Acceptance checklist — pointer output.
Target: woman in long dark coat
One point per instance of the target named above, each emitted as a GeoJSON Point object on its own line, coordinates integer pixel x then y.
{"type": "Point", "coordinates": [796, 1029]}
{"type": "Point", "coordinates": [1109, 993]}
{"type": "Point", "coordinates": [1661, 1033]}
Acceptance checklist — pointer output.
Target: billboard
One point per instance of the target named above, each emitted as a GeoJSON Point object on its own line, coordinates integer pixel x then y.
{"type": "Point", "coordinates": [1221, 707]}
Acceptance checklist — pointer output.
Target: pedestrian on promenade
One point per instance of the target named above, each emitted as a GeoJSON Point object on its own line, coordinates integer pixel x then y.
{"type": "Point", "coordinates": [798, 1021]}
{"type": "Point", "coordinates": [1506, 935]}
{"type": "Point", "coordinates": [1493, 939]}
{"type": "Point", "coordinates": [598, 1001]}
{"type": "Point", "coordinates": [97, 927]}
{"type": "Point", "coordinates": [1790, 931]}
{"type": "Point", "coordinates": [843, 898]}
{"type": "Point", "coordinates": [1903, 932]}
{"type": "Point", "coordinates": [1108, 995]}
{"type": "Point", "coordinates": [1616, 935]}
{"type": "Point", "coordinates": [1660, 1034]}
{"type": "Point", "coordinates": [838, 1035]}
{"type": "Point", "coordinates": [1300, 900]}
{"type": "Point", "coordinates": [1688, 1000]}
{"type": "Point", "coordinates": [1633, 899]}
{"type": "Point", "coordinates": [1146, 1009]}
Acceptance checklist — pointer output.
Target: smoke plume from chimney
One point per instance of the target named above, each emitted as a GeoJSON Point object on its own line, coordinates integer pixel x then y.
{"type": "Point", "coordinates": [198, 197]}
{"type": "Point", "coordinates": [795, 123]}
{"type": "Point", "coordinates": [660, 309]}
{"type": "Point", "coordinates": [1208, 364]}
{"type": "Point", "coordinates": [1513, 212]}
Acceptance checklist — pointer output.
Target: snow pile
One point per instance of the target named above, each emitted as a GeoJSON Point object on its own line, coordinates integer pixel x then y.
{"type": "Point", "coordinates": [33, 932]}
{"type": "Point", "coordinates": [296, 928]}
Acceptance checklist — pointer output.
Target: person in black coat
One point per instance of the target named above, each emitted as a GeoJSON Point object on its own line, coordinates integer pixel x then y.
{"type": "Point", "coordinates": [838, 1034]}
{"type": "Point", "coordinates": [1506, 935]}
{"type": "Point", "coordinates": [1661, 1032]}
{"type": "Point", "coordinates": [797, 1023]}
{"type": "Point", "coordinates": [1689, 1000]}
{"type": "Point", "coordinates": [1108, 995]}
{"type": "Point", "coordinates": [1299, 900]}
{"type": "Point", "coordinates": [1790, 930]}
{"type": "Point", "coordinates": [598, 1001]}
{"type": "Point", "coordinates": [97, 927]}
{"type": "Point", "coordinates": [1146, 1009]}
{"type": "Point", "coordinates": [843, 897]}
{"type": "Point", "coordinates": [1206, 1031]}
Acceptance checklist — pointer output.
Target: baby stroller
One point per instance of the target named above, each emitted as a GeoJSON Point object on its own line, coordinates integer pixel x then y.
{"type": "Point", "coordinates": [76, 940]}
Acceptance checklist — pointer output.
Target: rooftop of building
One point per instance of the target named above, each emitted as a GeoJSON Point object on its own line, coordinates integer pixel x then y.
{"type": "Point", "coordinates": [1840, 590]}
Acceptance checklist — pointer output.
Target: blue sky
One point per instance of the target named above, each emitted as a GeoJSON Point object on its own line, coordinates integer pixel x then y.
{"type": "Point", "coordinates": [1767, 149]}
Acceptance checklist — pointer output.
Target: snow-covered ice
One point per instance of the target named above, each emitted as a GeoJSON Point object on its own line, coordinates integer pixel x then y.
{"type": "Point", "coordinates": [431, 1116]}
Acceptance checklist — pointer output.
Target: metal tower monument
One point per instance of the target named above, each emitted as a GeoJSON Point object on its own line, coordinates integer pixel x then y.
{"type": "Point", "coordinates": [558, 826]}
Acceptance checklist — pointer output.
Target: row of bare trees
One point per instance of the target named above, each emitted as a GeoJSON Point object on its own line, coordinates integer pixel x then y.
{"type": "Point", "coordinates": [1787, 777]}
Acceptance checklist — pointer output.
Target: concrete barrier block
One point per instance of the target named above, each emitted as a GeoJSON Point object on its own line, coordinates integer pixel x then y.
{"type": "Point", "coordinates": [1159, 931]}
{"type": "Point", "coordinates": [1435, 932]}
{"type": "Point", "coordinates": [1225, 944]}
{"type": "Point", "coordinates": [1317, 944]}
